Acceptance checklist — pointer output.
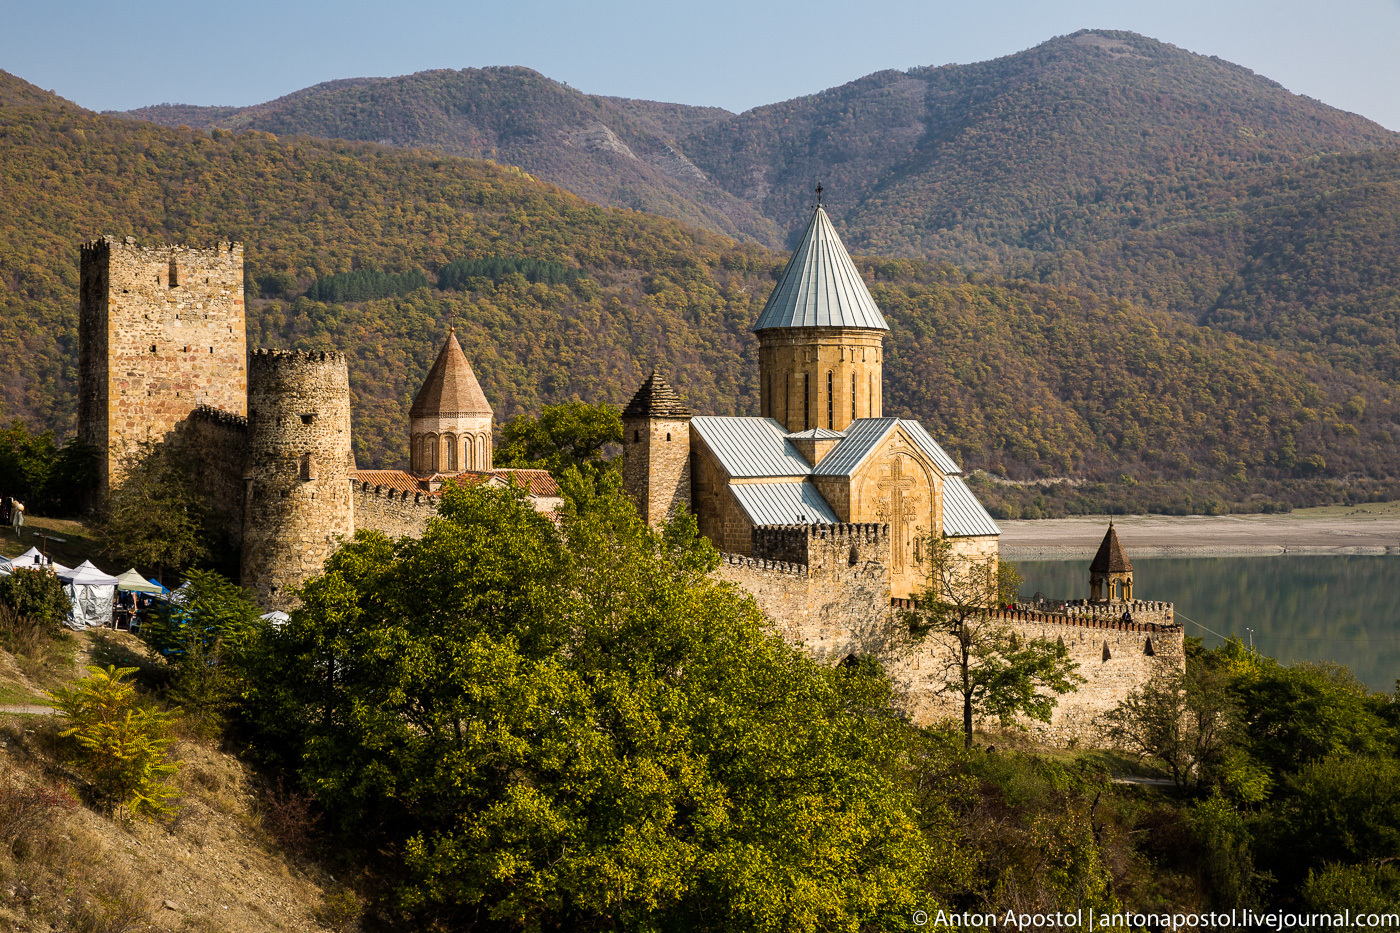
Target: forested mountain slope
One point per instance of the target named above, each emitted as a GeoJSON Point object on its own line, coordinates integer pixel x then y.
{"type": "Point", "coordinates": [1024, 379]}
{"type": "Point", "coordinates": [1101, 160]}
{"type": "Point", "coordinates": [617, 153]}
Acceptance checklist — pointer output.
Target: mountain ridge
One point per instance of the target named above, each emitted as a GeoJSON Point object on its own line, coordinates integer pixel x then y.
{"type": "Point", "coordinates": [1018, 378]}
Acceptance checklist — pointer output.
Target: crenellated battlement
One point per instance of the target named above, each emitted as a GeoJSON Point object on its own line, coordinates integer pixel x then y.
{"type": "Point", "coordinates": [395, 512]}
{"type": "Point", "coordinates": [822, 546]}
{"type": "Point", "coordinates": [762, 565]}
{"type": "Point", "coordinates": [219, 416]}
{"type": "Point", "coordinates": [266, 358]}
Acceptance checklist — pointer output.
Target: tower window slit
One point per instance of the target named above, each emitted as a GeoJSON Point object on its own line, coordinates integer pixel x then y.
{"type": "Point", "coordinates": [853, 396]}
{"type": "Point", "coordinates": [806, 401]}
{"type": "Point", "coordinates": [830, 398]}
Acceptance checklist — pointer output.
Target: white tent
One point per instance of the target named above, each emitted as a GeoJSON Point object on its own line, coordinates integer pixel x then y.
{"type": "Point", "coordinates": [92, 593]}
{"type": "Point", "coordinates": [4, 566]}
{"type": "Point", "coordinates": [33, 560]}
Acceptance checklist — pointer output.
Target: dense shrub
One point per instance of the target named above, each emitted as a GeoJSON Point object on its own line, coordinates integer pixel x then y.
{"type": "Point", "coordinates": [118, 745]}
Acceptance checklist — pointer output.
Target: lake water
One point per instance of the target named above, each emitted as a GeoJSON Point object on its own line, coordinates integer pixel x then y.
{"type": "Point", "coordinates": [1343, 609]}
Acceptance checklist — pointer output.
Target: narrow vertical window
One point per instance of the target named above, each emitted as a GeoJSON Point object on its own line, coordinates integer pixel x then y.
{"type": "Point", "coordinates": [787, 397]}
{"type": "Point", "coordinates": [830, 399]}
{"type": "Point", "coordinates": [768, 396]}
{"type": "Point", "coordinates": [853, 396]}
{"type": "Point", "coordinates": [174, 273]}
{"type": "Point", "coordinates": [806, 401]}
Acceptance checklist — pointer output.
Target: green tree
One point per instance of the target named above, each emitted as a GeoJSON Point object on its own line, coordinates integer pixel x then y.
{"type": "Point", "coordinates": [1303, 712]}
{"type": "Point", "coordinates": [988, 668]}
{"type": "Point", "coordinates": [119, 745]}
{"type": "Point", "coordinates": [1189, 722]}
{"type": "Point", "coordinates": [46, 477]}
{"type": "Point", "coordinates": [572, 434]}
{"type": "Point", "coordinates": [578, 726]}
{"type": "Point", "coordinates": [156, 517]}
{"type": "Point", "coordinates": [202, 638]}
{"type": "Point", "coordinates": [35, 593]}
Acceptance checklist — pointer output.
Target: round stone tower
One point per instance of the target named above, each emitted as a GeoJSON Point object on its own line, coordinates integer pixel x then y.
{"type": "Point", "coordinates": [820, 338]}
{"type": "Point", "coordinates": [297, 504]}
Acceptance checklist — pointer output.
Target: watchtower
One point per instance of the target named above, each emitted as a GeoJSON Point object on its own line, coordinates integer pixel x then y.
{"type": "Point", "coordinates": [656, 450]}
{"type": "Point", "coordinates": [297, 496]}
{"type": "Point", "coordinates": [1111, 573]}
{"type": "Point", "coordinates": [160, 331]}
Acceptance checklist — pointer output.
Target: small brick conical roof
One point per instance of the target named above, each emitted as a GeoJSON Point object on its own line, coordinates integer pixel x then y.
{"type": "Point", "coordinates": [656, 399]}
{"type": "Point", "coordinates": [451, 387]}
{"type": "Point", "coordinates": [1111, 558]}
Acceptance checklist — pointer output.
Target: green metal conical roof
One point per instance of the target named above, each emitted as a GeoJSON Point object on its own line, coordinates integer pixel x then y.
{"type": "Point", "coordinates": [820, 286]}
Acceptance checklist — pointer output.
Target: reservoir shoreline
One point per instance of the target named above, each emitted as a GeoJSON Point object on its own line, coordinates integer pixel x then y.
{"type": "Point", "coordinates": [1371, 529]}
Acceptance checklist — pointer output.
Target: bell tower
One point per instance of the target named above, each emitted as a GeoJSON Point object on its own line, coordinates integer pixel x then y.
{"type": "Point", "coordinates": [820, 338]}
{"type": "Point", "coordinates": [1111, 573]}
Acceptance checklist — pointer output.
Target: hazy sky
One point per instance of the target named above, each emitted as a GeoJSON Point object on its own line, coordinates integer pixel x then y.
{"type": "Point", "coordinates": [731, 54]}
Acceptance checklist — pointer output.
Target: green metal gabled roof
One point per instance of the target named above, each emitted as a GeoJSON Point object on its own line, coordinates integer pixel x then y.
{"type": "Point", "coordinates": [820, 286]}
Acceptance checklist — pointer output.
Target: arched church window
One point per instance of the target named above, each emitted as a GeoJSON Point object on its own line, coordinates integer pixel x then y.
{"type": "Point", "coordinates": [449, 453]}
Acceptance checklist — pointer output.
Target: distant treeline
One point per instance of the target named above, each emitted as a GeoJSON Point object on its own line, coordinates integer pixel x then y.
{"type": "Point", "coordinates": [455, 275]}
{"type": "Point", "coordinates": [365, 284]}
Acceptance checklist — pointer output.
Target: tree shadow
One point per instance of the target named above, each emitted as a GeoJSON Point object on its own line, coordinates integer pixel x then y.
{"type": "Point", "coordinates": [112, 649]}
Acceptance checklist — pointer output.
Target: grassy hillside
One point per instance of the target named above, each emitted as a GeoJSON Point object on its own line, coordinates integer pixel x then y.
{"type": "Point", "coordinates": [1027, 380]}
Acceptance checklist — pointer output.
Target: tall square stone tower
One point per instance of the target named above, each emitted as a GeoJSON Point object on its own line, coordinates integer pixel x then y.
{"type": "Point", "coordinates": [160, 331]}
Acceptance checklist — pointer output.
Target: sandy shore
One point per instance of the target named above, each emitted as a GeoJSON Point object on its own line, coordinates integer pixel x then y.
{"type": "Point", "coordinates": [1368, 529]}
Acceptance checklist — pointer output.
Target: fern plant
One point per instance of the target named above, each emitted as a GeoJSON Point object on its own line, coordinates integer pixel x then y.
{"type": "Point", "coordinates": [121, 747]}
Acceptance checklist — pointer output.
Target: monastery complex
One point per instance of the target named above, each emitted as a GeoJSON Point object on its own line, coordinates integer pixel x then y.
{"type": "Point", "coordinates": [821, 506]}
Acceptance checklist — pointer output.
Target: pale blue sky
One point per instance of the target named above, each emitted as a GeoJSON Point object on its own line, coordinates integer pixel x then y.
{"type": "Point", "coordinates": [113, 55]}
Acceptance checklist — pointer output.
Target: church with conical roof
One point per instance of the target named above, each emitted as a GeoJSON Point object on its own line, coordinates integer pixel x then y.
{"type": "Point", "coordinates": [822, 452]}
{"type": "Point", "coordinates": [450, 421]}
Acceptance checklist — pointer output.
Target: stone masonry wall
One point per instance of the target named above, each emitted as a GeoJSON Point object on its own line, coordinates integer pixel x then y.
{"type": "Point", "coordinates": [1113, 657]}
{"type": "Point", "coordinates": [160, 331]}
{"type": "Point", "coordinates": [836, 603]}
{"type": "Point", "coordinates": [297, 505]}
{"type": "Point", "coordinates": [656, 466]}
{"type": "Point", "coordinates": [834, 599]}
{"type": "Point", "coordinates": [392, 512]}
{"type": "Point", "coordinates": [217, 442]}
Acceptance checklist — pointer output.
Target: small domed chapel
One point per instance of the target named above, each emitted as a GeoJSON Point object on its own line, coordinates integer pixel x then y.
{"type": "Point", "coordinates": [822, 453]}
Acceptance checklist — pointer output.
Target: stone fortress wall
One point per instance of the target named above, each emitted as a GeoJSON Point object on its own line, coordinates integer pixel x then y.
{"type": "Point", "coordinates": [219, 441]}
{"type": "Point", "coordinates": [396, 513]}
{"type": "Point", "coordinates": [163, 358]}
{"type": "Point", "coordinates": [826, 588]}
